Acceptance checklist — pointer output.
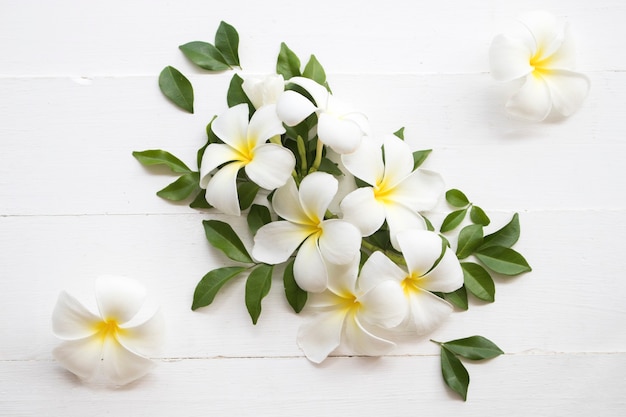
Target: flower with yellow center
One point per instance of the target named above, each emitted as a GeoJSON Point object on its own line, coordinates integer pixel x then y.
{"type": "Point", "coordinates": [116, 342]}
{"type": "Point", "coordinates": [269, 165]}
{"type": "Point", "coordinates": [539, 50]}
{"type": "Point", "coordinates": [430, 267]}
{"type": "Point", "coordinates": [396, 193]}
{"type": "Point", "coordinates": [351, 314]}
{"type": "Point", "coordinates": [304, 228]}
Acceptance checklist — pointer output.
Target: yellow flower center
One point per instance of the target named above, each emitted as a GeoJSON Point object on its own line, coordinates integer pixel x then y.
{"type": "Point", "coordinates": [410, 284]}
{"type": "Point", "coordinates": [108, 328]}
{"type": "Point", "coordinates": [383, 191]}
{"type": "Point", "coordinates": [540, 63]}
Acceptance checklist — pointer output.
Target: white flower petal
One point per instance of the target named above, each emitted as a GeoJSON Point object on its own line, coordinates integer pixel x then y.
{"type": "Point", "coordinates": [401, 218]}
{"type": "Point", "coordinates": [82, 357]}
{"type": "Point", "coordinates": [384, 305]}
{"type": "Point", "coordinates": [327, 299]}
{"type": "Point", "coordinates": [263, 91]}
{"type": "Point", "coordinates": [361, 208]}
{"type": "Point", "coordinates": [342, 278]}
{"type": "Point", "coordinates": [221, 191]}
{"type": "Point", "coordinates": [122, 366]}
{"type": "Point", "coordinates": [286, 203]}
{"type": "Point", "coordinates": [292, 108]}
{"type": "Point", "coordinates": [276, 241]}
{"type": "Point", "coordinates": [146, 338]}
{"type": "Point", "coordinates": [420, 249]}
{"type": "Point", "coordinates": [447, 276]}
{"type": "Point", "coordinates": [427, 311]}
{"type": "Point", "coordinates": [309, 269]}
{"type": "Point", "coordinates": [264, 124]}
{"type": "Point", "coordinates": [340, 241]}
{"type": "Point", "coordinates": [420, 191]}
{"type": "Point", "coordinates": [319, 337]}
{"type": "Point", "coordinates": [509, 58]}
{"type": "Point", "coordinates": [318, 92]}
{"type": "Point", "coordinates": [232, 126]}
{"type": "Point", "coordinates": [366, 162]}
{"type": "Point", "coordinates": [71, 320]}
{"type": "Point", "coordinates": [271, 167]}
{"type": "Point", "coordinates": [119, 298]}
{"type": "Point", "coordinates": [565, 56]}
{"type": "Point", "coordinates": [398, 160]}
{"type": "Point", "coordinates": [379, 268]}
{"type": "Point", "coordinates": [215, 155]}
{"type": "Point", "coordinates": [568, 90]}
{"type": "Point", "coordinates": [532, 101]}
{"type": "Point", "coordinates": [544, 29]}
{"type": "Point", "coordinates": [342, 135]}
{"type": "Point", "coordinates": [316, 192]}
{"type": "Point", "coordinates": [363, 342]}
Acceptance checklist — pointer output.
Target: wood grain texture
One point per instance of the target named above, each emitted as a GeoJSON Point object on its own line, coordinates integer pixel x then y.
{"type": "Point", "coordinates": [79, 94]}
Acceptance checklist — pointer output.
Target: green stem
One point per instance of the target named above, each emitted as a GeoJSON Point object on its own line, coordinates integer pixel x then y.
{"type": "Point", "coordinates": [397, 258]}
{"type": "Point", "coordinates": [318, 156]}
{"type": "Point", "coordinates": [302, 153]}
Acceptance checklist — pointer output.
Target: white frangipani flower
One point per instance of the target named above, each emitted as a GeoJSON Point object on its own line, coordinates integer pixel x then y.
{"type": "Point", "coordinates": [269, 165]}
{"type": "Point", "coordinates": [421, 250]}
{"type": "Point", "coordinates": [338, 126]}
{"type": "Point", "coordinates": [318, 241]}
{"type": "Point", "coordinates": [396, 192]}
{"type": "Point", "coordinates": [263, 91]}
{"type": "Point", "coordinates": [541, 50]}
{"type": "Point", "coordinates": [349, 312]}
{"type": "Point", "coordinates": [112, 342]}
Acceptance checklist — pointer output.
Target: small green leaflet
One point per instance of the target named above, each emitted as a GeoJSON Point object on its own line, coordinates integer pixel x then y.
{"type": "Point", "coordinates": [314, 70]}
{"type": "Point", "coordinates": [236, 95]}
{"type": "Point", "coordinates": [211, 283]}
{"type": "Point", "coordinates": [176, 87]}
{"type": "Point", "coordinates": [478, 281]}
{"type": "Point", "coordinates": [296, 296]}
{"type": "Point", "coordinates": [456, 198]}
{"type": "Point", "coordinates": [503, 260]}
{"type": "Point", "coordinates": [182, 188]}
{"type": "Point", "coordinates": [257, 287]}
{"type": "Point", "coordinates": [258, 216]}
{"type": "Point", "coordinates": [227, 42]}
{"type": "Point", "coordinates": [288, 63]}
{"type": "Point", "coordinates": [507, 236]}
{"type": "Point", "coordinates": [452, 220]}
{"type": "Point", "coordinates": [224, 238]}
{"type": "Point", "coordinates": [470, 238]}
{"type": "Point", "coordinates": [199, 202]}
{"type": "Point", "coordinates": [246, 192]}
{"type": "Point", "coordinates": [160, 157]}
{"type": "Point", "coordinates": [474, 348]}
{"type": "Point", "coordinates": [478, 216]}
{"type": "Point", "coordinates": [457, 298]}
{"type": "Point", "coordinates": [454, 373]}
{"type": "Point", "coordinates": [400, 133]}
{"type": "Point", "coordinates": [419, 157]}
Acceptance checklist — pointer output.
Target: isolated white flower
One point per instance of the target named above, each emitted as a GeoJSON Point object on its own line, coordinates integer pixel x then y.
{"type": "Point", "coordinates": [339, 126]}
{"type": "Point", "coordinates": [267, 164]}
{"type": "Point", "coordinates": [112, 342]}
{"type": "Point", "coordinates": [541, 50]}
{"type": "Point", "coordinates": [263, 90]}
{"type": "Point", "coordinates": [349, 312]}
{"type": "Point", "coordinates": [396, 193]}
{"type": "Point", "coordinates": [318, 241]}
{"type": "Point", "coordinates": [421, 250]}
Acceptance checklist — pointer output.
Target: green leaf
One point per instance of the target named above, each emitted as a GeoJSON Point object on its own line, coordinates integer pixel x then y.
{"type": "Point", "coordinates": [506, 236]}
{"type": "Point", "coordinates": [474, 348]}
{"type": "Point", "coordinates": [182, 188]}
{"type": "Point", "coordinates": [176, 87]}
{"type": "Point", "coordinates": [478, 216]}
{"type": "Point", "coordinates": [211, 283]}
{"type": "Point", "coordinates": [257, 287]}
{"type": "Point", "coordinates": [199, 202]}
{"type": "Point", "coordinates": [160, 157]}
{"type": "Point", "coordinates": [258, 217]}
{"type": "Point", "coordinates": [454, 373]}
{"type": "Point", "coordinates": [478, 281]}
{"type": "Point", "coordinates": [288, 63]}
{"type": "Point", "coordinates": [227, 42]}
{"type": "Point", "coordinates": [470, 238]}
{"type": "Point", "coordinates": [457, 298]}
{"type": "Point", "coordinates": [296, 296]}
{"type": "Point", "coordinates": [224, 238]}
{"type": "Point", "coordinates": [246, 192]}
{"type": "Point", "coordinates": [314, 70]}
{"type": "Point", "coordinates": [419, 157]}
{"type": "Point", "coordinates": [236, 95]}
{"type": "Point", "coordinates": [399, 133]}
{"type": "Point", "coordinates": [211, 138]}
{"type": "Point", "coordinates": [205, 55]}
{"type": "Point", "coordinates": [429, 224]}
{"type": "Point", "coordinates": [330, 167]}
{"type": "Point", "coordinates": [452, 220]}
{"type": "Point", "coordinates": [456, 198]}
{"type": "Point", "coordinates": [503, 260]}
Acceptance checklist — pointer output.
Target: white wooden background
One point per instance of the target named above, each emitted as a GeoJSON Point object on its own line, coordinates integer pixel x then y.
{"type": "Point", "coordinates": [78, 93]}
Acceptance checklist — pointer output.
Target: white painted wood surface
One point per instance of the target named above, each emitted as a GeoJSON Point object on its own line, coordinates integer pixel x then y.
{"type": "Point", "coordinates": [79, 94]}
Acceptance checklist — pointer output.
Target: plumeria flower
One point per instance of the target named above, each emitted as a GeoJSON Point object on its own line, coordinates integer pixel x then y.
{"type": "Point", "coordinates": [269, 165]}
{"type": "Point", "coordinates": [541, 51]}
{"type": "Point", "coordinates": [396, 191]}
{"type": "Point", "coordinates": [423, 276]}
{"type": "Point", "coordinates": [111, 342]}
{"type": "Point", "coordinates": [263, 91]}
{"type": "Point", "coordinates": [350, 312]}
{"type": "Point", "coordinates": [318, 241]}
{"type": "Point", "coordinates": [338, 126]}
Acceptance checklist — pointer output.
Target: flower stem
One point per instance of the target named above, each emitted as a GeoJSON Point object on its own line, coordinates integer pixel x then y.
{"type": "Point", "coordinates": [302, 153]}
{"type": "Point", "coordinates": [397, 258]}
{"type": "Point", "coordinates": [318, 156]}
